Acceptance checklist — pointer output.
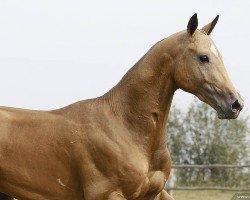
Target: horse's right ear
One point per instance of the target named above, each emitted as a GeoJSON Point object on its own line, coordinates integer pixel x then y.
{"type": "Point", "coordinates": [209, 27]}
{"type": "Point", "coordinates": [192, 24]}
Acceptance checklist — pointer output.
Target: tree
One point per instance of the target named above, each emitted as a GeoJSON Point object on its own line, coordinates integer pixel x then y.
{"type": "Point", "coordinates": [199, 137]}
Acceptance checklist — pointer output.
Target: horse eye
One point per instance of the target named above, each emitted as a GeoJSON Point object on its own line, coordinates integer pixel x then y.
{"type": "Point", "coordinates": [203, 58]}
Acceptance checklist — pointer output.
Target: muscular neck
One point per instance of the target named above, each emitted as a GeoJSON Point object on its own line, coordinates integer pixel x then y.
{"type": "Point", "coordinates": [144, 95]}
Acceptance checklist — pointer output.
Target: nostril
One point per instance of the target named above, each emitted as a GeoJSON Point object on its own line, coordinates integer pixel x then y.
{"type": "Point", "coordinates": [236, 106]}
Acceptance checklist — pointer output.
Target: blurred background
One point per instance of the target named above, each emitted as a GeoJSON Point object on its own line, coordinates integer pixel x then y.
{"type": "Point", "coordinates": [53, 53]}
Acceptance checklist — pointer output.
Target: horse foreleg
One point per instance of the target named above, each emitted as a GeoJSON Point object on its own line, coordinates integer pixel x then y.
{"type": "Point", "coordinates": [116, 196]}
{"type": "Point", "coordinates": [5, 197]}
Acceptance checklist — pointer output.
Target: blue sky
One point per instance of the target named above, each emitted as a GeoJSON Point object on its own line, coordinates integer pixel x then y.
{"type": "Point", "coordinates": [55, 52]}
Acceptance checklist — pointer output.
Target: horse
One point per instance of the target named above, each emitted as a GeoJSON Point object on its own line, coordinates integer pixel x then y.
{"type": "Point", "coordinates": [113, 147]}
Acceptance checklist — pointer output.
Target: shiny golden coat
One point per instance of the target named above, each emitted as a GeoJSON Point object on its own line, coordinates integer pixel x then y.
{"type": "Point", "coordinates": [113, 147]}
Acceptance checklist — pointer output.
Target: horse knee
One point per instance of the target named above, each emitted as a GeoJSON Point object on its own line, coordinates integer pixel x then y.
{"type": "Point", "coordinates": [5, 197]}
{"type": "Point", "coordinates": [116, 196]}
{"type": "Point", "coordinates": [164, 196]}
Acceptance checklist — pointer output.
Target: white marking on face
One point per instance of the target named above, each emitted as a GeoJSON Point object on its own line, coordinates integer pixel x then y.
{"type": "Point", "coordinates": [60, 182]}
{"type": "Point", "coordinates": [213, 49]}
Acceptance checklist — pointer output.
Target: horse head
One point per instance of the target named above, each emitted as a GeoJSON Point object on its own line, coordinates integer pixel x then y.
{"type": "Point", "coordinates": [200, 71]}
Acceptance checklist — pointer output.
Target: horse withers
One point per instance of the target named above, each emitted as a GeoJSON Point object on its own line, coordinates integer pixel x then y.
{"type": "Point", "coordinates": [114, 147]}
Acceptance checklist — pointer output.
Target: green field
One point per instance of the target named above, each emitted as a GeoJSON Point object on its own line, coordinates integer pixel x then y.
{"type": "Point", "coordinates": [203, 195]}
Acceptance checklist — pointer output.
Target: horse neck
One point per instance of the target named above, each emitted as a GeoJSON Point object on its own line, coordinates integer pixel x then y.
{"type": "Point", "coordinates": [143, 97]}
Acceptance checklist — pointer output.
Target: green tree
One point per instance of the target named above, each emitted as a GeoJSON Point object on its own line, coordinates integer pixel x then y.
{"type": "Point", "coordinates": [199, 137]}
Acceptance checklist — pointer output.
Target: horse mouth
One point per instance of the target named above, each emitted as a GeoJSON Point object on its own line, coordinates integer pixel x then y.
{"type": "Point", "coordinates": [227, 114]}
{"type": "Point", "coordinates": [228, 107]}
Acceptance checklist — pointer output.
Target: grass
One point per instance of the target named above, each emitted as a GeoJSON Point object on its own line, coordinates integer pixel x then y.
{"type": "Point", "coordinates": [203, 195]}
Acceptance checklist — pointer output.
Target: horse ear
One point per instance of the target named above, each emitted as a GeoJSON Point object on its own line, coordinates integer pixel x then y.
{"type": "Point", "coordinates": [209, 27]}
{"type": "Point", "coordinates": [192, 24]}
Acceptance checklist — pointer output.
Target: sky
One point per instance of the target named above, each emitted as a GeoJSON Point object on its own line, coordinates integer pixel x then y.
{"type": "Point", "coordinates": [56, 52]}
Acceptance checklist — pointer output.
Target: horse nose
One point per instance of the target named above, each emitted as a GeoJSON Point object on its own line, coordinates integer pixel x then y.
{"type": "Point", "coordinates": [237, 105]}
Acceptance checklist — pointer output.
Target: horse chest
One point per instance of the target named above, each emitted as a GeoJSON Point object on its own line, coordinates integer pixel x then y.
{"type": "Point", "coordinates": [127, 167]}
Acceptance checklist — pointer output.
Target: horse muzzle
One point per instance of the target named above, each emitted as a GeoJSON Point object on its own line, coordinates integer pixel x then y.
{"type": "Point", "coordinates": [230, 109]}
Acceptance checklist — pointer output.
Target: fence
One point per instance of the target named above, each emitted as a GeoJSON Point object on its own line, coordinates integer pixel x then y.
{"type": "Point", "coordinates": [170, 187]}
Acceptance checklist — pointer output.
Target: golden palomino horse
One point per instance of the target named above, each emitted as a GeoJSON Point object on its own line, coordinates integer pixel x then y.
{"type": "Point", "coordinates": [114, 147]}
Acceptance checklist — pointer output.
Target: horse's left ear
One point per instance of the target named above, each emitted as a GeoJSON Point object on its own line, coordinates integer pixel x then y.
{"type": "Point", "coordinates": [209, 27]}
{"type": "Point", "coordinates": [192, 24]}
